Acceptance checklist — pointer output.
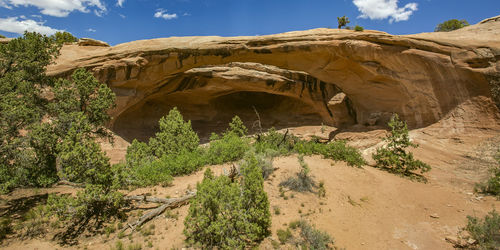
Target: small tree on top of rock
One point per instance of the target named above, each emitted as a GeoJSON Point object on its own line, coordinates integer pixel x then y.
{"type": "Point", "coordinates": [343, 21]}
{"type": "Point", "coordinates": [450, 25]}
{"type": "Point", "coordinates": [394, 157]}
{"type": "Point", "coordinates": [64, 37]}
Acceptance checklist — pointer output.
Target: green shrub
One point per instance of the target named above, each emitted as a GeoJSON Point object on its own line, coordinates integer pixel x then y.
{"type": "Point", "coordinates": [485, 231]}
{"type": "Point", "coordinates": [5, 228]}
{"type": "Point", "coordinates": [175, 135]}
{"type": "Point", "coordinates": [275, 141]}
{"type": "Point", "coordinates": [492, 185]}
{"type": "Point", "coordinates": [303, 181]}
{"type": "Point", "coordinates": [452, 24]}
{"type": "Point", "coordinates": [1, 36]}
{"type": "Point", "coordinates": [312, 238]}
{"type": "Point", "coordinates": [236, 126]}
{"type": "Point", "coordinates": [358, 28]}
{"type": "Point", "coordinates": [63, 37]}
{"type": "Point", "coordinates": [213, 218]}
{"type": "Point", "coordinates": [284, 235]}
{"type": "Point", "coordinates": [229, 215]}
{"type": "Point", "coordinates": [394, 157]}
{"type": "Point", "coordinates": [229, 147]}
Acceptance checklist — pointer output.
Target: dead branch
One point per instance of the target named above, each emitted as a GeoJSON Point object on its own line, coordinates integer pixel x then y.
{"type": "Point", "coordinates": [284, 137]}
{"type": "Point", "coordinates": [259, 124]}
{"type": "Point", "coordinates": [168, 203]}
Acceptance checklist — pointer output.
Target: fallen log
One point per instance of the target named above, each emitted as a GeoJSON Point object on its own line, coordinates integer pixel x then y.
{"type": "Point", "coordinates": [168, 203]}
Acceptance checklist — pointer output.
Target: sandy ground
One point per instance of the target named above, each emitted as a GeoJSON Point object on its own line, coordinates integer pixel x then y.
{"type": "Point", "coordinates": [364, 208]}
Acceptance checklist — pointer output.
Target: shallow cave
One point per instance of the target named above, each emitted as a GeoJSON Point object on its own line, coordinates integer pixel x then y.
{"type": "Point", "coordinates": [214, 113]}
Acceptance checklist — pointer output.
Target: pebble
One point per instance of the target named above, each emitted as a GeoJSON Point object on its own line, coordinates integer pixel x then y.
{"type": "Point", "coordinates": [435, 216]}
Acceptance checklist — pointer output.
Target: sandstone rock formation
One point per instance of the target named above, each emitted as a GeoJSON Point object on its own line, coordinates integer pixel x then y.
{"type": "Point", "coordinates": [330, 76]}
{"type": "Point", "coordinates": [91, 42]}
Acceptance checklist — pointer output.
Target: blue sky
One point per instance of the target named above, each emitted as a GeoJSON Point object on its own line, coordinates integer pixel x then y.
{"type": "Point", "coordinates": [118, 21]}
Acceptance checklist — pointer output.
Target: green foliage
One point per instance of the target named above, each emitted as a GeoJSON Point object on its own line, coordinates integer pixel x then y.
{"type": "Point", "coordinates": [450, 25]}
{"type": "Point", "coordinates": [213, 218]}
{"type": "Point", "coordinates": [254, 200]}
{"type": "Point", "coordinates": [229, 215]}
{"type": "Point", "coordinates": [1, 36]}
{"type": "Point", "coordinates": [303, 182]}
{"type": "Point", "coordinates": [236, 126]}
{"type": "Point", "coordinates": [94, 202]}
{"type": "Point", "coordinates": [311, 237]}
{"type": "Point", "coordinates": [284, 235]}
{"type": "Point", "coordinates": [175, 135]}
{"type": "Point", "coordinates": [275, 141]}
{"type": "Point", "coordinates": [5, 228]}
{"type": "Point", "coordinates": [485, 231]}
{"type": "Point", "coordinates": [229, 147]}
{"type": "Point", "coordinates": [492, 185]}
{"type": "Point", "coordinates": [22, 81]}
{"type": "Point", "coordinates": [343, 21]}
{"type": "Point", "coordinates": [394, 157]}
{"type": "Point", "coordinates": [358, 28]}
{"type": "Point", "coordinates": [81, 158]}
{"type": "Point", "coordinates": [336, 150]}
{"type": "Point", "coordinates": [63, 37]}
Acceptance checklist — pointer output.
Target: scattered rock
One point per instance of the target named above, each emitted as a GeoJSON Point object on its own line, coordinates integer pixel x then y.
{"type": "Point", "coordinates": [92, 42]}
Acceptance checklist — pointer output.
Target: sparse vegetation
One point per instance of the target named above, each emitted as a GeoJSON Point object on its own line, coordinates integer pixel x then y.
{"type": "Point", "coordinates": [358, 28]}
{"type": "Point", "coordinates": [308, 236]}
{"type": "Point", "coordinates": [394, 157]}
{"type": "Point", "coordinates": [450, 25]}
{"type": "Point", "coordinates": [485, 231]}
{"type": "Point", "coordinates": [343, 21]}
{"type": "Point", "coordinates": [284, 235]}
{"type": "Point", "coordinates": [303, 182]}
{"type": "Point", "coordinates": [492, 185]}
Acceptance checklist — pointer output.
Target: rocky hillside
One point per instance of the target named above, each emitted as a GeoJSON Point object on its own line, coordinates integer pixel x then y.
{"type": "Point", "coordinates": [330, 76]}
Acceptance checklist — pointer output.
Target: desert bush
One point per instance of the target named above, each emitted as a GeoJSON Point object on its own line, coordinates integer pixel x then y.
{"type": "Point", "coordinates": [358, 28]}
{"type": "Point", "coordinates": [394, 157]}
{"type": "Point", "coordinates": [229, 147]}
{"type": "Point", "coordinates": [5, 228]}
{"type": "Point", "coordinates": [485, 231]}
{"type": "Point", "coordinates": [175, 135]}
{"type": "Point", "coordinates": [337, 151]}
{"type": "Point", "coordinates": [492, 185]}
{"type": "Point", "coordinates": [275, 141]}
{"type": "Point", "coordinates": [452, 24]}
{"type": "Point", "coordinates": [303, 182]}
{"type": "Point", "coordinates": [284, 235]}
{"type": "Point", "coordinates": [226, 214]}
{"type": "Point", "coordinates": [93, 202]}
{"type": "Point", "coordinates": [311, 237]}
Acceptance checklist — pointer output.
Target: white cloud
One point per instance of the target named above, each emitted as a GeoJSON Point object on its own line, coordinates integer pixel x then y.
{"type": "Point", "coordinates": [19, 25]}
{"type": "Point", "coordinates": [186, 14]}
{"type": "Point", "coordinates": [58, 8]}
{"type": "Point", "coordinates": [382, 9]}
{"type": "Point", "coordinates": [160, 13]}
{"type": "Point", "coordinates": [90, 30]}
{"type": "Point", "coordinates": [120, 3]}
{"type": "Point", "coordinates": [122, 16]}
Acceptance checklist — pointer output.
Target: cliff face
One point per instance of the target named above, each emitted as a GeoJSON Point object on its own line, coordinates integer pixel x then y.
{"type": "Point", "coordinates": [336, 77]}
